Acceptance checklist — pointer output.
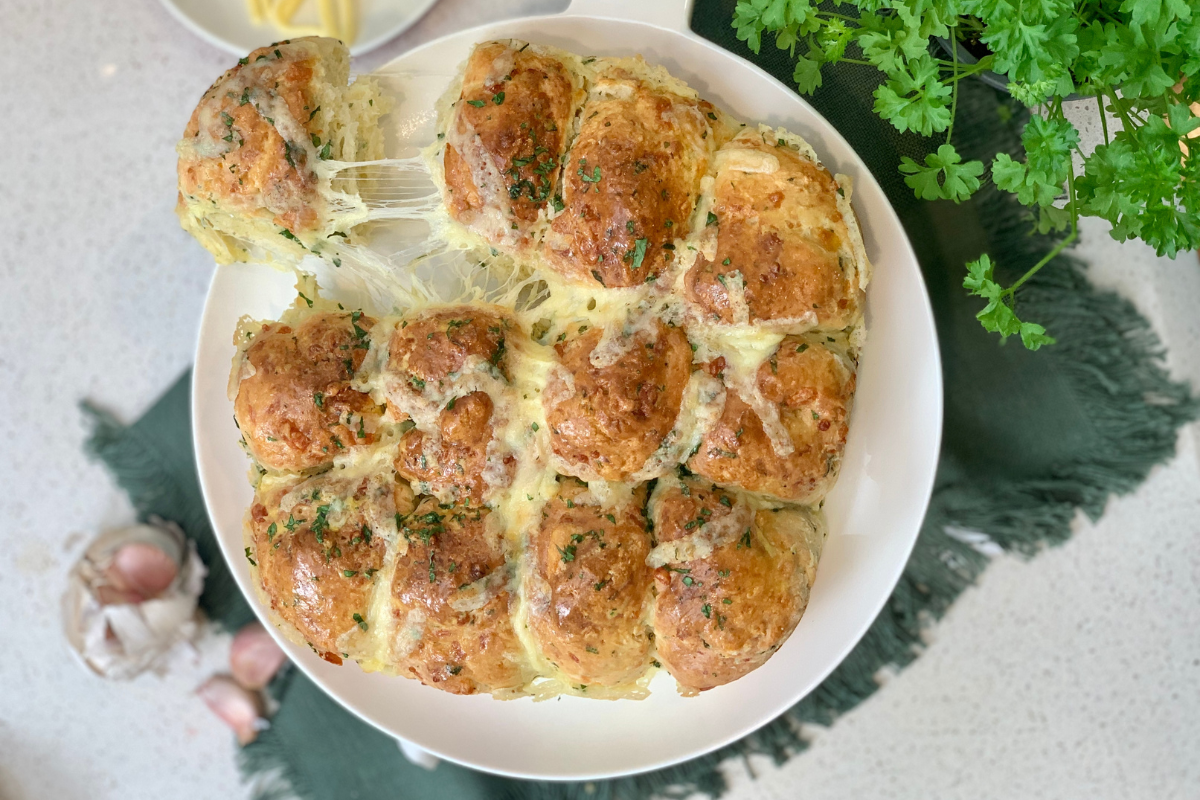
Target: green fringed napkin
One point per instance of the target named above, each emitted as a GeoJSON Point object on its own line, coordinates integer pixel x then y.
{"type": "Point", "coordinates": [1029, 438]}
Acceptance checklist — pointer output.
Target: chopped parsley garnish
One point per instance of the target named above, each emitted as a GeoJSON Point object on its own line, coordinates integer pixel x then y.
{"type": "Point", "coordinates": [319, 400]}
{"type": "Point", "coordinates": [725, 501]}
{"type": "Point", "coordinates": [285, 233]}
{"type": "Point", "coordinates": [706, 610]}
{"type": "Point", "coordinates": [744, 541]}
{"type": "Point", "coordinates": [639, 252]}
{"type": "Point", "coordinates": [712, 219]}
{"type": "Point", "coordinates": [272, 529]}
{"type": "Point", "coordinates": [593, 178]}
{"type": "Point", "coordinates": [349, 573]}
{"type": "Point", "coordinates": [417, 383]}
{"type": "Point", "coordinates": [599, 278]}
{"type": "Point", "coordinates": [362, 623]}
{"type": "Point", "coordinates": [251, 560]}
{"type": "Point", "coordinates": [498, 98]}
{"type": "Point", "coordinates": [567, 553]}
{"type": "Point", "coordinates": [320, 524]}
{"type": "Point", "coordinates": [476, 103]}
{"type": "Point", "coordinates": [498, 353]}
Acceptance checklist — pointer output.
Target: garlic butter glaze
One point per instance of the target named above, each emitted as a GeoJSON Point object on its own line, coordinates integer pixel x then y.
{"type": "Point", "coordinates": [614, 463]}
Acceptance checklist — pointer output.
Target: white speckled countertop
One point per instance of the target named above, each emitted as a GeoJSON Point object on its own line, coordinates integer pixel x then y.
{"type": "Point", "coordinates": [1071, 675]}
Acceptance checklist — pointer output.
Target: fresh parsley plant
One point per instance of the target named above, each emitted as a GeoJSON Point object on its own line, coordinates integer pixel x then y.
{"type": "Point", "coordinates": [1138, 60]}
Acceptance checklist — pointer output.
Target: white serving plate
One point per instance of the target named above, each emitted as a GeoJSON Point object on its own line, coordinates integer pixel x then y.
{"type": "Point", "coordinates": [874, 513]}
{"type": "Point", "coordinates": [226, 23]}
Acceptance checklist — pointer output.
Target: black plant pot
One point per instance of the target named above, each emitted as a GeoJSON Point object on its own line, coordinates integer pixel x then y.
{"type": "Point", "coordinates": [993, 79]}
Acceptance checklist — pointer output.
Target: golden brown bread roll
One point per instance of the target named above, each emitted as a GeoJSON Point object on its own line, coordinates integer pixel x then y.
{"type": "Point", "coordinates": [605, 421]}
{"type": "Point", "coordinates": [455, 462]}
{"type": "Point", "coordinates": [588, 587]}
{"type": "Point", "coordinates": [505, 139]}
{"type": "Point", "coordinates": [631, 178]}
{"type": "Point", "coordinates": [430, 351]}
{"type": "Point", "coordinates": [294, 405]}
{"type": "Point", "coordinates": [726, 610]}
{"type": "Point", "coordinates": [450, 603]}
{"type": "Point", "coordinates": [785, 253]}
{"type": "Point", "coordinates": [805, 390]}
{"type": "Point", "coordinates": [446, 380]}
{"type": "Point", "coordinates": [318, 546]}
{"type": "Point", "coordinates": [250, 161]}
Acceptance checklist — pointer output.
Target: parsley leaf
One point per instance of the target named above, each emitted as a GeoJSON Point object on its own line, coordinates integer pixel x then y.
{"type": "Point", "coordinates": [944, 176]}
{"type": "Point", "coordinates": [998, 316]}
{"type": "Point", "coordinates": [915, 98]}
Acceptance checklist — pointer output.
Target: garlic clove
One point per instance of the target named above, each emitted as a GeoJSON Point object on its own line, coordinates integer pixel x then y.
{"type": "Point", "coordinates": [254, 657]}
{"type": "Point", "coordinates": [240, 709]}
{"type": "Point", "coordinates": [142, 570]}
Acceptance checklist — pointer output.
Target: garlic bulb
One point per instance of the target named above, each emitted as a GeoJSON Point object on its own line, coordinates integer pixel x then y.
{"type": "Point", "coordinates": [131, 598]}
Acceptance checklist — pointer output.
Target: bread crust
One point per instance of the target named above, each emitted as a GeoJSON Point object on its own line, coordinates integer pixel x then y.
{"type": "Point", "coordinates": [296, 409]}
{"type": "Point", "coordinates": [809, 388]}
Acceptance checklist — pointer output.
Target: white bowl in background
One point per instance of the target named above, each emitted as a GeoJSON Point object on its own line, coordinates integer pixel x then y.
{"type": "Point", "coordinates": [226, 23]}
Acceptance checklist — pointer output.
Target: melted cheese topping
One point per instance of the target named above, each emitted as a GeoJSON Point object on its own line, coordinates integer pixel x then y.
{"type": "Point", "coordinates": [481, 268]}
